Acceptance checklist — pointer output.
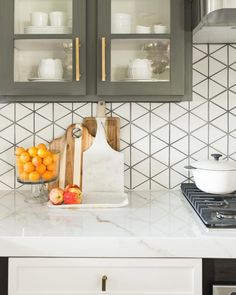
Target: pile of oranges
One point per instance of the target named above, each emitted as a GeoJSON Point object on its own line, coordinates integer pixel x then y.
{"type": "Point", "coordinates": [36, 163]}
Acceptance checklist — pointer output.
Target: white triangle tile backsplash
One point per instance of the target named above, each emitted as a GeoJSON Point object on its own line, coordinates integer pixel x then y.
{"type": "Point", "coordinates": [158, 139]}
{"type": "Point", "coordinates": [198, 54]}
{"type": "Point", "coordinates": [201, 66]}
{"type": "Point", "coordinates": [215, 66]}
{"type": "Point", "coordinates": [202, 89]}
{"type": "Point", "coordinates": [198, 77]}
{"type": "Point", "coordinates": [163, 156]}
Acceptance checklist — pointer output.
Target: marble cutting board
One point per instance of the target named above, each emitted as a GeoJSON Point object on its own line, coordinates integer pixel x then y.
{"type": "Point", "coordinates": [103, 167]}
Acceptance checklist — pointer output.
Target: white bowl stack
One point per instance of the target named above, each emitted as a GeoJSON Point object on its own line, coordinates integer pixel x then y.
{"type": "Point", "coordinates": [39, 23]}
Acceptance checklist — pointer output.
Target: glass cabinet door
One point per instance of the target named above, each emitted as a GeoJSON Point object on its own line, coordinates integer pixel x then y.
{"type": "Point", "coordinates": [140, 17]}
{"type": "Point", "coordinates": [46, 45]}
{"type": "Point", "coordinates": [141, 50]}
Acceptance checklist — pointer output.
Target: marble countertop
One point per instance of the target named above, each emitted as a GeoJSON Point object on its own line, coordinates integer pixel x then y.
{"type": "Point", "coordinates": [156, 224]}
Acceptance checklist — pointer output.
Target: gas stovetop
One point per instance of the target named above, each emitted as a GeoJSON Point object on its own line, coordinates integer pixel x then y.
{"type": "Point", "coordinates": [216, 211]}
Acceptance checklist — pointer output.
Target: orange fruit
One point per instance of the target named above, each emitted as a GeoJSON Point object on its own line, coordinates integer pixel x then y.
{"type": "Point", "coordinates": [42, 153]}
{"type": "Point", "coordinates": [37, 161]}
{"type": "Point", "coordinates": [48, 160]}
{"type": "Point", "coordinates": [41, 146]}
{"type": "Point", "coordinates": [33, 151]}
{"type": "Point", "coordinates": [19, 151]}
{"type": "Point", "coordinates": [20, 170]}
{"type": "Point", "coordinates": [47, 175]}
{"type": "Point", "coordinates": [29, 167]}
{"type": "Point", "coordinates": [51, 167]}
{"type": "Point", "coordinates": [20, 167]}
{"type": "Point", "coordinates": [24, 176]}
{"type": "Point", "coordinates": [25, 157]}
{"type": "Point", "coordinates": [41, 169]}
{"type": "Point", "coordinates": [55, 157]}
{"type": "Point", "coordinates": [34, 176]}
{"type": "Point", "coordinates": [18, 161]}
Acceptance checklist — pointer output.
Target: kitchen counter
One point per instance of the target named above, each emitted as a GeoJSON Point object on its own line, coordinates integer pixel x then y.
{"type": "Point", "coordinates": [156, 224]}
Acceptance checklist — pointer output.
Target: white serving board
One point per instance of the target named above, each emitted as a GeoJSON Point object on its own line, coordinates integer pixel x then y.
{"type": "Point", "coordinates": [103, 167]}
{"type": "Point", "coordinates": [97, 200]}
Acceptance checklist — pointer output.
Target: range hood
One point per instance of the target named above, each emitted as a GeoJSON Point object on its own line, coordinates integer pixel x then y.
{"type": "Point", "coordinates": [214, 21]}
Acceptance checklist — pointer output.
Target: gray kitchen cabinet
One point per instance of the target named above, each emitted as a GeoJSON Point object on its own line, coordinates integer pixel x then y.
{"type": "Point", "coordinates": [31, 36]}
{"type": "Point", "coordinates": [117, 50]}
{"type": "Point", "coordinates": [156, 30]}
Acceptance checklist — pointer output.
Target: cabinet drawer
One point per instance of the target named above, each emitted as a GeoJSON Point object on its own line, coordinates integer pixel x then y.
{"type": "Point", "coordinates": [84, 276]}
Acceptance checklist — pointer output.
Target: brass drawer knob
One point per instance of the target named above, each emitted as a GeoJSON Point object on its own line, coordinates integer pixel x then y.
{"type": "Point", "coordinates": [104, 283]}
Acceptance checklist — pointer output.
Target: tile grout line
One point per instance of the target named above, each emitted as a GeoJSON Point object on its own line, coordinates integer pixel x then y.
{"type": "Point", "coordinates": [14, 108]}
{"type": "Point", "coordinates": [169, 139]}
{"type": "Point", "coordinates": [150, 148]}
{"type": "Point", "coordinates": [130, 151]}
{"type": "Point", "coordinates": [34, 118]}
{"type": "Point", "coordinates": [53, 120]}
{"type": "Point", "coordinates": [228, 128]}
{"type": "Point", "coordinates": [208, 99]}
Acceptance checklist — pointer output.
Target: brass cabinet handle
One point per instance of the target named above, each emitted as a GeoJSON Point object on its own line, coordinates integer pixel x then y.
{"type": "Point", "coordinates": [103, 59]}
{"type": "Point", "coordinates": [77, 59]}
{"type": "Point", "coordinates": [104, 283]}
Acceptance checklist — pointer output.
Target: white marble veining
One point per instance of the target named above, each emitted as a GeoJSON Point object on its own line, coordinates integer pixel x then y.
{"type": "Point", "coordinates": [156, 224]}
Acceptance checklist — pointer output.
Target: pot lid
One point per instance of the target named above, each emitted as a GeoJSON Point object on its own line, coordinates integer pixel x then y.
{"type": "Point", "coordinates": [216, 164]}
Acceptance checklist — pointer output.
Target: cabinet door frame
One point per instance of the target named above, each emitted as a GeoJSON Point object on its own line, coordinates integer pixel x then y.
{"type": "Point", "coordinates": [7, 84]}
{"type": "Point", "coordinates": [176, 86]}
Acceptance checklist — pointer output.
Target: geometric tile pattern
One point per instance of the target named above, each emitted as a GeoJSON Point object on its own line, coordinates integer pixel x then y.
{"type": "Point", "coordinates": [158, 139]}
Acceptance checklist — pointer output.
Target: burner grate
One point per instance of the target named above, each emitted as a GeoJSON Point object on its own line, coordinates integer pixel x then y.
{"type": "Point", "coordinates": [216, 211]}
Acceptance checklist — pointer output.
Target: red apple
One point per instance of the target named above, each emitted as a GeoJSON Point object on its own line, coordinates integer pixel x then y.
{"type": "Point", "coordinates": [72, 196]}
{"type": "Point", "coordinates": [56, 196]}
{"type": "Point", "coordinates": [71, 186]}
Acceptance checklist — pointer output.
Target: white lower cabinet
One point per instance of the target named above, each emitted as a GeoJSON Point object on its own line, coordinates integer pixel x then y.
{"type": "Point", "coordinates": [85, 276]}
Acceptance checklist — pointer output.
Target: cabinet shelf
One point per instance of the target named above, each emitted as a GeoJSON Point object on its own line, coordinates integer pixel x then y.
{"type": "Point", "coordinates": [141, 36]}
{"type": "Point", "coordinates": [42, 36]}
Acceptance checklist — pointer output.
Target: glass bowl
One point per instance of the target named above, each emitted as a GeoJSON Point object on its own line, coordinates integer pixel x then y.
{"type": "Point", "coordinates": [37, 170]}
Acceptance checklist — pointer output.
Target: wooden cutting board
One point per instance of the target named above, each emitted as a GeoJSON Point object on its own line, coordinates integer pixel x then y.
{"type": "Point", "coordinates": [71, 148]}
{"type": "Point", "coordinates": [112, 126]}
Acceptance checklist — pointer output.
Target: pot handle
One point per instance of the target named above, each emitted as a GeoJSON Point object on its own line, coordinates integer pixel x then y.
{"type": "Point", "coordinates": [189, 167]}
{"type": "Point", "coordinates": [216, 156]}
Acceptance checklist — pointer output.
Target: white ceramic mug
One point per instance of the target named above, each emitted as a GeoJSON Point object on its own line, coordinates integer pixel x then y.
{"type": "Point", "coordinates": [57, 18]}
{"type": "Point", "coordinates": [121, 23]}
{"type": "Point", "coordinates": [50, 69]}
{"type": "Point", "coordinates": [39, 19]}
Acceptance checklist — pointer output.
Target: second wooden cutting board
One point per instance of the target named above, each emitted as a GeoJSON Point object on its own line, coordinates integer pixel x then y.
{"type": "Point", "coordinates": [70, 146]}
{"type": "Point", "coordinates": [112, 127]}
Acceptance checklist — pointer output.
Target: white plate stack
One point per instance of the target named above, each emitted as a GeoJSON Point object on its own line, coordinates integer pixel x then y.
{"type": "Point", "coordinates": [47, 30]}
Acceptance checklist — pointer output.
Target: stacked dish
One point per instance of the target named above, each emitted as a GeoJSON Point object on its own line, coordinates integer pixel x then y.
{"type": "Point", "coordinates": [47, 30]}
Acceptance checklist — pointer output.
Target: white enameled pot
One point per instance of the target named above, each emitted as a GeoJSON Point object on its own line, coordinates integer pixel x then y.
{"type": "Point", "coordinates": [215, 176]}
